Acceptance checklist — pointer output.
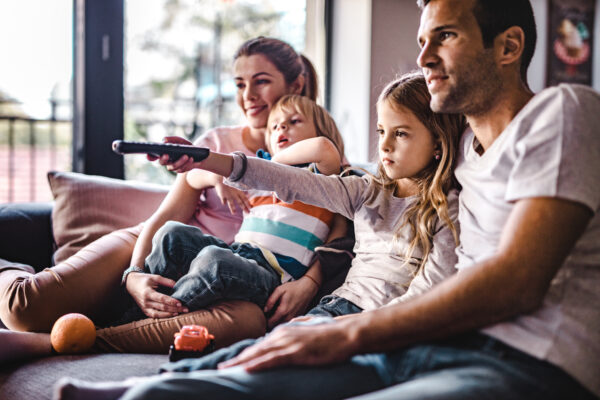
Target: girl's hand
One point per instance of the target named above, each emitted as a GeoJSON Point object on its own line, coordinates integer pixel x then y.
{"type": "Point", "coordinates": [299, 345]}
{"type": "Point", "coordinates": [183, 164]}
{"type": "Point", "coordinates": [142, 287]}
{"type": "Point", "coordinates": [232, 197]}
{"type": "Point", "coordinates": [293, 298]}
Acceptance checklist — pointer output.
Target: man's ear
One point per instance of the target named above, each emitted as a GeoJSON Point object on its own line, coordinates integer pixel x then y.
{"type": "Point", "coordinates": [297, 86]}
{"type": "Point", "coordinates": [510, 45]}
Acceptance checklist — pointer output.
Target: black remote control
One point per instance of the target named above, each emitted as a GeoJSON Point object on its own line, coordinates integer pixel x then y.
{"type": "Point", "coordinates": [158, 149]}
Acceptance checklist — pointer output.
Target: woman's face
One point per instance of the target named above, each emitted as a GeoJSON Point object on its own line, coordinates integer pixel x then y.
{"type": "Point", "coordinates": [259, 86]}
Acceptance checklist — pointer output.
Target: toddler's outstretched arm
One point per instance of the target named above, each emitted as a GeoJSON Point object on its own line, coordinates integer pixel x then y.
{"type": "Point", "coordinates": [318, 150]}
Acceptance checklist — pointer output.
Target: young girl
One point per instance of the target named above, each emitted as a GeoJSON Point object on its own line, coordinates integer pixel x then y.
{"type": "Point", "coordinates": [276, 241]}
{"type": "Point", "coordinates": [403, 218]}
{"type": "Point", "coordinates": [404, 221]}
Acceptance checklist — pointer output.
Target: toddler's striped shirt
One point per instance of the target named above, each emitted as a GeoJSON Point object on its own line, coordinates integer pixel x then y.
{"type": "Point", "coordinates": [287, 234]}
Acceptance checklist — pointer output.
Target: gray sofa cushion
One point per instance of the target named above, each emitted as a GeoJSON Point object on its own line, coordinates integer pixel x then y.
{"type": "Point", "coordinates": [26, 233]}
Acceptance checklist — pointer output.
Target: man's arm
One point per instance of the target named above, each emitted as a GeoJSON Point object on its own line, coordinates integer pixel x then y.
{"type": "Point", "coordinates": [536, 239]}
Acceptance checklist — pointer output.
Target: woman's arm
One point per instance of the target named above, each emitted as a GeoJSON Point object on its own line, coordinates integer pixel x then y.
{"type": "Point", "coordinates": [318, 150]}
{"type": "Point", "coordinates": [179, 205]}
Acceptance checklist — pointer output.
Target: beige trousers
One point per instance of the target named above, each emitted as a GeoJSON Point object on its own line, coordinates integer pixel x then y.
{"type": "Point", "coordinates": [89, 283]}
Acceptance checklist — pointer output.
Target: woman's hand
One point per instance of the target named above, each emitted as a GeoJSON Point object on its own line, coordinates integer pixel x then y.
{"type": "Point", "coordinates": [183, 164]}
{"type": "Point", "coordinates": [232, 197]}
{"type": "Point", "coordinates": [142, 287]}
{"type": "Point", "coordinates": [293, 298]}
{"type": "Point", "coordinates": [299, 345]}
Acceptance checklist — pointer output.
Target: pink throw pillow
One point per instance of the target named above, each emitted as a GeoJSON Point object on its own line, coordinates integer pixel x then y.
{"type": "Point", "coordinates": [87, 207]}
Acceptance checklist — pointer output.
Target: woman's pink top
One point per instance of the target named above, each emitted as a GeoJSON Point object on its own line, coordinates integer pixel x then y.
{"type": "Point", "coordinates": [211, 216]}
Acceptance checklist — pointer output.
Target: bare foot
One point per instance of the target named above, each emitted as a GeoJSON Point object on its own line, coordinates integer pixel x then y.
{"type": "Point", "coordinates": [21, 345]}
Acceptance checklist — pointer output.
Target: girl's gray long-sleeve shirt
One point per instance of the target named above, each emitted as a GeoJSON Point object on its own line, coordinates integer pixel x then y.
{"type": "Point", "coordinates": [378, 273]}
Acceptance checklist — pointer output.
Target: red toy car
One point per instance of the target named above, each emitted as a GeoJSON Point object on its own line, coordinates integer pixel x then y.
{"type": "Point", "coordinates": [191, 341]}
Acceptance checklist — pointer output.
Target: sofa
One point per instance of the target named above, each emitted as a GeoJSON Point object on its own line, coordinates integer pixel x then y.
{"type": "Point", "coordinates": [85, 208]}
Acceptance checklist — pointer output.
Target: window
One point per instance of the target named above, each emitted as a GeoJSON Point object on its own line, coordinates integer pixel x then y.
{"type": "Point", "coordinates": [178, 58]}
{"type": "Point", "coordinates": [176, 62]}
{"type": "Point", "coordinates": [35, 96]}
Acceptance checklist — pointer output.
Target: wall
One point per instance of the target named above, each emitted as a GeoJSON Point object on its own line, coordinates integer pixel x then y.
{"type": "Point", "coordinates": [537, 70]}
{"type": "Point", "coordinates": [350, 71]}
{"type": "Point", "coordinates": [315, 45]}
{"type": "Point", "coordinates": [394, 51]}
{"type": "Point", "coordinates": [375, 40]}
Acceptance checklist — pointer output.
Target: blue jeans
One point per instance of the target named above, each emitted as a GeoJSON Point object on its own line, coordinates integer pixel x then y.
{"type": "Point", "coordinates": [334, 306]}
{"type": "Point", "coordinates": [206, 269]}
{"type": "Point", "coordinates": [467, 367]}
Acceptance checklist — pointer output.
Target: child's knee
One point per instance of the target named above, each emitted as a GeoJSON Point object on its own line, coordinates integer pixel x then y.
{"type": "Point", "coordinates": [169, 240]}
{"type": "Point", "coordinates": [171, 233]}
{"type": "Point", "coordinates": [211, 260]}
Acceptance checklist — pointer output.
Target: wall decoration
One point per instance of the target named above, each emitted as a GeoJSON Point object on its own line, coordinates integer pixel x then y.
{"type": "Point", "coordinates": [570, 41]}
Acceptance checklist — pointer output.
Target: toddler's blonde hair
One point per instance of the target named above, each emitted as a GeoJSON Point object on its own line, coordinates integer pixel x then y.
{"type": "Point", "coordinates": [322, 120]}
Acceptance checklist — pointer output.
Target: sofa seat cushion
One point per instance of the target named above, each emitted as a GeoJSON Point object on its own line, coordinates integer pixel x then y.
{"type": "Point", "coordinates": [87, 207]}
{"type": "Point", "coordinates": [36, 379]}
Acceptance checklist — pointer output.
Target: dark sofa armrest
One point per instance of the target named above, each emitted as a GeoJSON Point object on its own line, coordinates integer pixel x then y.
{"type": "Point", "coordinates": [26, 233]}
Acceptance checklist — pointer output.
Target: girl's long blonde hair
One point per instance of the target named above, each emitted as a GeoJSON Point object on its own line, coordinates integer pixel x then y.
{"type": "Point", "coordinates": [436, 180]}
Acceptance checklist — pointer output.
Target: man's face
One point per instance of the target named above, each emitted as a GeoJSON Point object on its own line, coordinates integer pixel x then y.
{"type": "Point", "coordinates": [461, 74]}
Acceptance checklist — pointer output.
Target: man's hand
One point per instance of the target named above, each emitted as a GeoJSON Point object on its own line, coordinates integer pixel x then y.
{"type": "Point", "coordinates": [322, 344]}
{"type": "Point", "coordinates": [290, 299]}
{"type": "Point", "coordinates": [142, 287]}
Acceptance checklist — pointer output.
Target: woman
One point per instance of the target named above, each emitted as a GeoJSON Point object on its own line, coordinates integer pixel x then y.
{"type": "Point", "coordinates": [88, 282]}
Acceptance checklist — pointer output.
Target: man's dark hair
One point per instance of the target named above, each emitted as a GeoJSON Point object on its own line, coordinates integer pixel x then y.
{"type": "Point", "coordinates": [494, 17]}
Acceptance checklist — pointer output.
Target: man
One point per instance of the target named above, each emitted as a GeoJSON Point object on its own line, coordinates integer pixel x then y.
{"type": "Point", "coordinates": [521, 318]}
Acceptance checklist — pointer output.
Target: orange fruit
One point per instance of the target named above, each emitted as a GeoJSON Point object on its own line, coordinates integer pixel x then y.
{"type": "Point", "coordinates": [73, 333]}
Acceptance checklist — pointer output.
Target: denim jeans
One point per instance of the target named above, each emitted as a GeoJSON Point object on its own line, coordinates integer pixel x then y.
{"type": "Point", "coordinates": [469, 366]}
{"type": "Point", "coordinates": [334, 306]}
{"type": "Point", "coordinates": [206, 269]}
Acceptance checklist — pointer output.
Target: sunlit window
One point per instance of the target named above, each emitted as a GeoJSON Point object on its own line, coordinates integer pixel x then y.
{"type": "Point", "coordinates": [178, 57]}
{"type": "Point", "coordinates": [35, 96]}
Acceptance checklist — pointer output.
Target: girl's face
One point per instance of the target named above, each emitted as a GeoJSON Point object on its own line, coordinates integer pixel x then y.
{"type": "Point", "coordinates": [288, 127]}
{"type": "Point", "coordinates": [259, 86]}
{"type": "Point", "coordinates": [406, 146]}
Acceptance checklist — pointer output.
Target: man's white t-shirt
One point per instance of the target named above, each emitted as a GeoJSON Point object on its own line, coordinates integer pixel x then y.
{"type": "Point", "coordinates": [550, 149]}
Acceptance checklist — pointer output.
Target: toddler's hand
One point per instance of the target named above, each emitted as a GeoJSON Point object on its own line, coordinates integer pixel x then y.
{"type": "Point", "coordinates": [232, 197]}
{"type": "Point", "coordinates": [289, 300]}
